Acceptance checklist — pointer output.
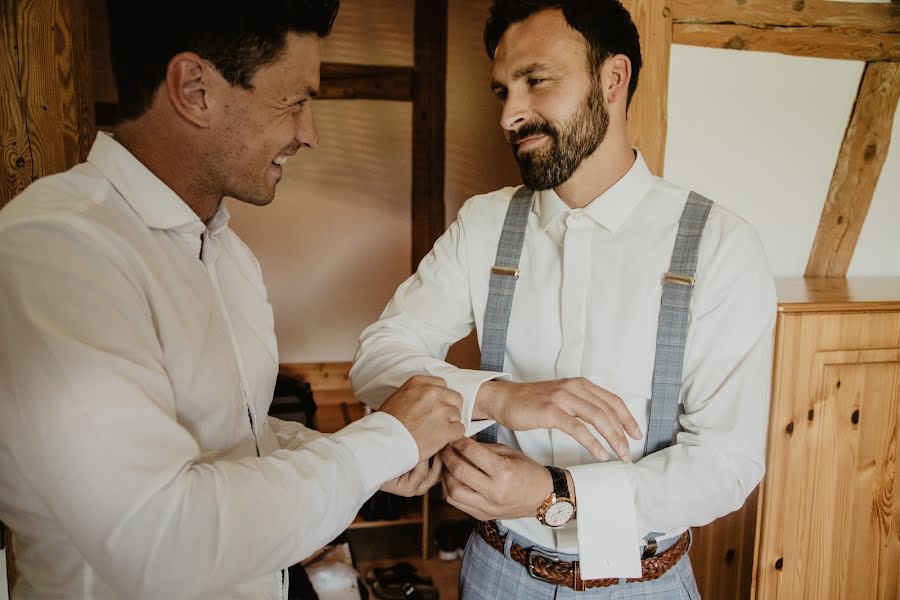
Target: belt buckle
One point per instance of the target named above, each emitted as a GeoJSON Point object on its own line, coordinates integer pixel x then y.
{"type": "Point", "coordinates": [650, 549]}
{"type": "Point", "coordinates": [529, 566]}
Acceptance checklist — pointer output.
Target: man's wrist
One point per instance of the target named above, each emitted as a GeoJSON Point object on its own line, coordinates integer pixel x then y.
{"type": "Point", "coordinates": [486, 399]}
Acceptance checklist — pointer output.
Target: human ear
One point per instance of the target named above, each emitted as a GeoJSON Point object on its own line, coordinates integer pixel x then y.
{"type": "Point", "coordinates": [617, 71]}
{"type": "Point", "coordinates": [188, 84]}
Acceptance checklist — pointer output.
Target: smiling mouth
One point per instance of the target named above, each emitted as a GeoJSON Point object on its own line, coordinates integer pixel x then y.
{"type": "Point", "coordinates": [528, 142]}
{"type": "Point", "coordinates": [280, 160]}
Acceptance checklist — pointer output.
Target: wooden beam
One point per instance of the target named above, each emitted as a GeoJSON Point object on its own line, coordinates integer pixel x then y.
{"type": "Point", "coordinates": [819, 42]}
{"type": "Point", "coordinates": [46, 109]}
{"type": "Point", "coordinates": [340, 81]}
{"type": "Point", "coordinates": [647, 114]}
{"type": "Point", "coordinates": [868, 16]}
{"type": "Point", "coordinates": [856, 174]}
{"type": "Point", "coordinates": [366, 82]}
{"type": "Point", "coordinates": [429, 119]}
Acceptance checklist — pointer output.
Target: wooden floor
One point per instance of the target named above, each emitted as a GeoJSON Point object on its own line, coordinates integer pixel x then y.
{"type": "Point", "coordinates": [444, 573]}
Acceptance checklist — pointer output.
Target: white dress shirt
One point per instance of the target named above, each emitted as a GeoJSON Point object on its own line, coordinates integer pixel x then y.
{"type": "Point", "coordinates": [586, 304]}
{"type": "Point", "coordinates": [137, 365]}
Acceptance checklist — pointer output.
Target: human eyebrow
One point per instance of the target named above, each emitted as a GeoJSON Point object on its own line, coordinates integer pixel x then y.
{"type": "Point", "coordinates": [529, 70]}
{"type": "Point", "coordinates": [302, 96]}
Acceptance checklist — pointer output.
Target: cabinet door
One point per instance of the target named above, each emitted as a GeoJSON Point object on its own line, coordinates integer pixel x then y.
{"type": "Point", "coordinates": [829, 526]}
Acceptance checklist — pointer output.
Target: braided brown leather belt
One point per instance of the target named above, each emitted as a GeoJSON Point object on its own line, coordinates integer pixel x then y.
{"type": "Point", "coordinates": [548, 568]}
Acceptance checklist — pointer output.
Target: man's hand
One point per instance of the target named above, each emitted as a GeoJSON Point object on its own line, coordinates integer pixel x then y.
{"type": "Point", "coordinates": [492, 481]}
{"type": "Point", "coordinates": [561, 404]}
{"type": "Point", "coordinates": [430, 411]}
{"type": "Point", "coordinates": [418, 480]}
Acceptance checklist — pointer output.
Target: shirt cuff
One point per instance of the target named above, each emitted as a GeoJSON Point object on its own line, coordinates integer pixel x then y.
{"type": "Point", "coordinates": [608, 541]}
{"type": "Point", "coordinates": [467, 382]}
{"type": "Point", "coordinates": [383, 447]}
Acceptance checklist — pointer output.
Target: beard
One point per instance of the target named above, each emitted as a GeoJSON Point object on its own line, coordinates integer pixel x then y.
{"type": "Point", "coordinates": [548, 167]}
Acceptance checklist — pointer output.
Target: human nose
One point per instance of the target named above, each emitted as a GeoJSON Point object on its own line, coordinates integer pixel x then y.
{"type": "Point", "coordinates": [307, 132]}
{"type": "Point", "coordinates": [515, 111]}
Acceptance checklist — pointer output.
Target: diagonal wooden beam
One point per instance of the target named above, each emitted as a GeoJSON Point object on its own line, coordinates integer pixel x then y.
{"type": "Point", "coordinates": [819, 42]}
{"type": "Point", "coordinates": [647, 114]}
{"type": "Point", "coordinates": [867, 16]}
{"type": "Point", "coordinates": [856, 174]}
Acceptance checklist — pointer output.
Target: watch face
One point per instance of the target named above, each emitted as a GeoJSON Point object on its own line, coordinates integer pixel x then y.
{"type": "Point", "coordinates": [559, 513]}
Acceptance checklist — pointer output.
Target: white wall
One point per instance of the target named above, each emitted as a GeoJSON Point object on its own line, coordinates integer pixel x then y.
{"type": "Point", "coordinates": [760, 134]}
{"type": "Point", "coordinates": [756, 132]}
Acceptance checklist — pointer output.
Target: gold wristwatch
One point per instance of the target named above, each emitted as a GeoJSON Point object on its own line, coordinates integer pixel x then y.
{"type": "Point", "coordinates": [558, 509]}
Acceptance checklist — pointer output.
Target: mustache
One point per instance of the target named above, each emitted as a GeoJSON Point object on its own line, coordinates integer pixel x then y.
{"type": "Point", "coordinates": [291, 150]}
{"type": "Point", "coordinates": [529, 129]}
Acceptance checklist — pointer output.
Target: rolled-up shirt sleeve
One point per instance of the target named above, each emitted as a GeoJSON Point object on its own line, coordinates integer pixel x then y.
{"type": "Point", "coordinates": [88, 419]}
{"type": "Point", "coordinates": [719, 454]}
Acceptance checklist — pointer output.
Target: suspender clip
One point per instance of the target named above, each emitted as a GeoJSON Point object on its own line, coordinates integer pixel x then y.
{"type": "Point", "coordinates": [508, 271]}
{"type": "Point", "coordinates": [678, 279]}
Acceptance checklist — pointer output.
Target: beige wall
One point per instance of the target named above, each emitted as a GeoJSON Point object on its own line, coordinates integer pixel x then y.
{"type": "Point", "coordinates": [758, 133]}
{"type": "Point", "coordinates": [336, 242]}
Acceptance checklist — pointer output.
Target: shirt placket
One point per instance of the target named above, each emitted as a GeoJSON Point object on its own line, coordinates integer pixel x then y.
{"type": "Point", "coordinates": [573, 305]}
{"type": "Point", "coordinates": [209, 254]}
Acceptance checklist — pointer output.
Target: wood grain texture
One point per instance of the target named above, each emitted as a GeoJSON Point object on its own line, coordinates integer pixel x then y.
{"type": "Point", "coordinates": [322, 377]}
{"type": "Point", "coordinates": [868, 16]}
{"type": "Point", "coordinates": [342, 81]}
{"type": "Point", "coordinates": [722, 553]}
{"type": "Point", "coordinates": [45, 73]}
{"type": "Point", "coordinates": [429, 124]}
{"type": "Point", "coordinates": [819, 42]}
{"type": "Point", "coordinates": [46, 106]}
{"type": "Point", "coordinates": [838, 294]}
{"type": "Point", "coordinates": [647, 121]}
{"type": "Point", "coordinates": [856, 173]}
{"type": "Point", "coordinates": [829, 522]}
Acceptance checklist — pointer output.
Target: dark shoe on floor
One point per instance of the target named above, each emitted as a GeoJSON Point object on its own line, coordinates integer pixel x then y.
{"type": "Point", "coordinates": [401, 582]}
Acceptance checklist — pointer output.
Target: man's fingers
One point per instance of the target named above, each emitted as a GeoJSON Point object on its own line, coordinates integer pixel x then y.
{"type": "Point", "coordinates": [478, 454]}
{"type": "Point", "coordinates": [606, 424]}
{"type": "Point", "coordinates": [618, 407]}
{"type": "Point", "coordinates": [463, 497]}
{"type": "Point", "coordinates": [583, 436]}
{"type": "Point", "coordinates": [432, 476]}
{"type": "Point", "coordinates": [463, 470]}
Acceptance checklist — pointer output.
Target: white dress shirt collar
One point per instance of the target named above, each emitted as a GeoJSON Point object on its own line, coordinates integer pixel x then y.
{"type": "Point", "coordinates": [611, 208]}
{"type": "Point", "coordinates": [158, 206]}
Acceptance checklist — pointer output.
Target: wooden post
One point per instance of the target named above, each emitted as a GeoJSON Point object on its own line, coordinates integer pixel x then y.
{"type": "Point", "coordinates": [647, 115]}
{"type": "Point", "coordinates": [429, 118]}
{"type": "Point", "coordinates": [46, 106]}
{"type": "Point", "coordinates": [856, 173]}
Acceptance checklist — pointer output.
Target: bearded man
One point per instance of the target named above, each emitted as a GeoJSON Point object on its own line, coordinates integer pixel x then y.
{"type": "Point", "coordinates": [625, 328]}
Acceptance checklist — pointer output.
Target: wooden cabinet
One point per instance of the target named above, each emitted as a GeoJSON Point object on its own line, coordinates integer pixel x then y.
{"type": "Point", "coordinates": [829, 518]}
{"type": "Point", "coordinates": [825, 522]}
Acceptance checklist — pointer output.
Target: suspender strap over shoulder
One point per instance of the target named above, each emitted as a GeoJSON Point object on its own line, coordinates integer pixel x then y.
{"type": "Point", "coordinates": [674, 318]}
{"type": "Point", "coordinates": [502, 286]}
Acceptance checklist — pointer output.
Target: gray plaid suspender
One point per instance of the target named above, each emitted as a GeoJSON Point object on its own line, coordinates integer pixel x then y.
{"type": "Point", "coordinates": [501, 289]}
{"type": "Point", "coordinates": [671, 335]}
